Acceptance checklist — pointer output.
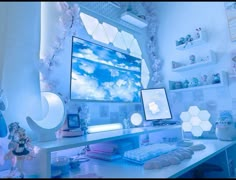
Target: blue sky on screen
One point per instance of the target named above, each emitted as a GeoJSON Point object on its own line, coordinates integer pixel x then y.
{"type": "Point", "coordinates": [103, 74]}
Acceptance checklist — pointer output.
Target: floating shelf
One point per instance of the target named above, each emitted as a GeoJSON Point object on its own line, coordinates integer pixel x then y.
{"type": "Point", "coordinates": [223, 82]}
{"type": "Point", "coordinates": [183, 67]}
{"type": "Point", "coordinates": [196, 42]}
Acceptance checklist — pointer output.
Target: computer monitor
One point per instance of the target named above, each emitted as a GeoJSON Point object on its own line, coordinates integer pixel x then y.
{"type": "Point", "coordinates": [156, 106]}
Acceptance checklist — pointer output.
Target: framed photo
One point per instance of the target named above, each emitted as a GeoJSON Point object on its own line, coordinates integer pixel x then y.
{"type": "Point", "coordinates": [73, 121]}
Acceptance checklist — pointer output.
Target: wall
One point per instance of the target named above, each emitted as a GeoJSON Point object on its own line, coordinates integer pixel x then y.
{"type": "Point", "coordinates": [177, 19]}
{"type": "Point", "coordinates": [19, 55]}
{"type": "Point", "coordinates": [20, 78]}
{"type": "Point", "coordinates": [100, 112]}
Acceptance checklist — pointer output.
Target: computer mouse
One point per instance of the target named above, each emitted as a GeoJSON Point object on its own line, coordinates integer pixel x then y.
{"type": "Point", "coordinates": [197, 147]}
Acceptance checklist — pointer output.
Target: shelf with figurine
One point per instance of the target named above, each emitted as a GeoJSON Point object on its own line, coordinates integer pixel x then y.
{"type": "Point", "coordinates": [205, 81]}
{"type": "Point", "coordinates": [194, 62]}
{"type": "Point", "coordinates": [191, 40]}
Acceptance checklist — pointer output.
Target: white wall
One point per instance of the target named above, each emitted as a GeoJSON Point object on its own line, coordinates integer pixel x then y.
{"type": "Point", "coordinates": [20, 77]}
{"type": "Point", "coordinates": [177, 19]}
{"type": "Point", "coordinates": [61, 73]}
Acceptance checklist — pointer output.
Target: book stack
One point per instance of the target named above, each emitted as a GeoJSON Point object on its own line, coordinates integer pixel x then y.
{"type": "Point", "coordinates": [72, 132]}
{"type": "Point", "coordinates": [109, 150]}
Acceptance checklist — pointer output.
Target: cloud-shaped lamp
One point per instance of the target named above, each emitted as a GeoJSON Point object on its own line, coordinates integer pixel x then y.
{"type": "Point", "coordinates": [54, 117]}
{"type": "Point", "coordinates": [195, 121]}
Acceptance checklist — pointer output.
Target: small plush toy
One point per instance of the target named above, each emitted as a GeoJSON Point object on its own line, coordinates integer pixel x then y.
{"type": "Point", "coordinates": [225, 127]}
{"type": "Point", "coordinates": [194, 82]}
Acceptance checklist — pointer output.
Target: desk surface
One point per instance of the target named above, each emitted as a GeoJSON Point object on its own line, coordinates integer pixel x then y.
{"type": "Point", "coordinates": [66, 143]}
{"type": "Point", "coordinates": [124, 169]}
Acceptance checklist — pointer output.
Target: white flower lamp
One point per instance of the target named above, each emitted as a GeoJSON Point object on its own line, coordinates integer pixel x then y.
{"type": "Point", "coordinates": [136, 119]}
{"type": "Point", "coordinates": [53, 119]}
{"type": "Point", "coordinates": [195, 121]}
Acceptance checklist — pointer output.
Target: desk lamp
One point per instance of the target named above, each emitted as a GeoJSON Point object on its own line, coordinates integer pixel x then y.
{"type": "Point", "coordinates": [195, 121]}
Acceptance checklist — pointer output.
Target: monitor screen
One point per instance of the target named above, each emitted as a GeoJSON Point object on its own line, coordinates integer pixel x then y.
{"type": "Point", "coordinates": [102, 74]}
{"type": "Point", "coordinates": [155, 104]}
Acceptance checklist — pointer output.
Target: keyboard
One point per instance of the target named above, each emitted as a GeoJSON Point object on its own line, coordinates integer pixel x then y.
{"type": "Point", "coordinates": [143, 153]}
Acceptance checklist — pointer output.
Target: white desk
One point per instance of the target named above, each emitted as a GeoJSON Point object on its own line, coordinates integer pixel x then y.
{"type": "Point", "coordinates": [66, 143]}
{"type": "Point", "coordinates": [124, 169]}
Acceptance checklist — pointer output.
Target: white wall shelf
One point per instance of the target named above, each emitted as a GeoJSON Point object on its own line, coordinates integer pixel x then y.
{"type": "Point", "coordinates": [210, 58]}
{"type": "Point", "coordinates": [223, 82]}
{"type": "Point", "coordinates": [196, 42]}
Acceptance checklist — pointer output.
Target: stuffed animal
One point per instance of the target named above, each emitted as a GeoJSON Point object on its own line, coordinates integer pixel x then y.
{"type": "Point", "coordinates": [216, 78]}
{"type": "Point", "coordinates": [225, 127]}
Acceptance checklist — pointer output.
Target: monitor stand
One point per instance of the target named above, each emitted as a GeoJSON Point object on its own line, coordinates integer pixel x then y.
{"type": "Point", "coordinates": [164, 122]}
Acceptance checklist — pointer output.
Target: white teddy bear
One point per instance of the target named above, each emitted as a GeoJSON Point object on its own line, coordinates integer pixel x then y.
{"type": "Point", "coordinates": [225, 127]}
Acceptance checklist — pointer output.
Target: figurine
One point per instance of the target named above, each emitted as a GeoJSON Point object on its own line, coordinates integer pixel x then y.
{"type": "Point", "coordinates": [185, 84]}
{"type": "Point", "coordinates": [225, 127]}
{"type": "Point", "coordinates": [188, 39]}
{"type": "Point", "coordinates": [198, 32]}
{"type": "Point", "coordinates": [13, 127]}
{"type": "Point", "coordinates": [216, 78]}
{"type": "Point", "coordinates": [204, 79]}
{"type": "Point", "coordinates": [194, 82]}
{"type": "Point", "coordinates": [192, 59]}
{"type": "Point", "coordinates": [19, 148]}
{"type": "Point", "coordinates": [181, 40]}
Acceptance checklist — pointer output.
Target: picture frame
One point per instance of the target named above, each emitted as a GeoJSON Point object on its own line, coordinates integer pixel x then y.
{"type": "Point", "coordinates": [73, 121]}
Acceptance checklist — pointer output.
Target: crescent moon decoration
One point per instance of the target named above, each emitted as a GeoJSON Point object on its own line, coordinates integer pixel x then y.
{"type": "Point", "coordinates": [54, 117]}
{"type": "Point", "coordinates": [3, 107]}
